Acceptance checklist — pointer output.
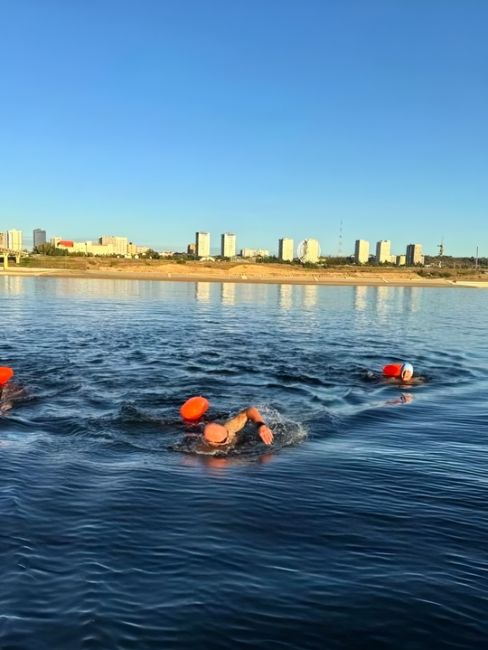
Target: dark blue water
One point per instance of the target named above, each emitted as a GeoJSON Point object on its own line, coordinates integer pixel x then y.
{"type": "Point", "coordinates": [364, 526]}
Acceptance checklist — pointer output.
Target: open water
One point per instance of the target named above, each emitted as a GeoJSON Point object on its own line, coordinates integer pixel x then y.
{"type": "Point", "coordinates": [364, 526]}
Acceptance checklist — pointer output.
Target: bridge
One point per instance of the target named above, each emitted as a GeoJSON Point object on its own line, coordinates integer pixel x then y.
{"type": "Point", "coordinates": [7, 254]}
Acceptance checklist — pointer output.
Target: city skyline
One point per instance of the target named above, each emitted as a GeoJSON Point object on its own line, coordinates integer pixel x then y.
{"type": "Point", "coordinates": [308, 250]}
{"type": "Point", "coordinates": [259, 117]}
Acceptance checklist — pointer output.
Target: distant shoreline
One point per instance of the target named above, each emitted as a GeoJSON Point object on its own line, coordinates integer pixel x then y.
{"type": "Point", "coordinates": [255, 274]}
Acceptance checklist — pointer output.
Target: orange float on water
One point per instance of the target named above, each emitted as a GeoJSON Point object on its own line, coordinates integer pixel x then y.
{"type": "Point", "coordinates": [393, 369]}
{"type": "Point", "coordinates": [194, 408]}
{"type": "Point", "coordinates": [6, 373]}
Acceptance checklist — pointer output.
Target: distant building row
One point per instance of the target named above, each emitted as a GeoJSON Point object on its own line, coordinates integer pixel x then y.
{"type": "Point", "coordinates": [106, 245]}
{"type": "Point", "coordinates": [308, 250]}
{"type": "Point", "coordinates": [383, 255]}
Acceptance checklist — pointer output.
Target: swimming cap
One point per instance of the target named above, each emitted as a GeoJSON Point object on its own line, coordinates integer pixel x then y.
{"type": "Point", "coordinates": [393, 370]}
{"type": "Point", "coordinates": [405, 368]}
{"type": "Point", "coordinates": [5, 374]}
{"type": "Point", "coordinates": [215, 433]}
{"type": "Point", "coordinates": [194, 408]}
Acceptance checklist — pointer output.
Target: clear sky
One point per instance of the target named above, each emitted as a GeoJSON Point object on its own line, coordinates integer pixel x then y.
{"type": "Point", "coordinates": [156, 118]}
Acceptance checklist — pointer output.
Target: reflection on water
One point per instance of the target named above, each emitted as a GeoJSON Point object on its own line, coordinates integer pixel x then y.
{"type": "Point", "coordinates": [382, 299]}
{"type": "Point", "coordinates": [12, 285]}
{"type": "Point", "coordinates": [360, 297]}
{"type": "Point", "coordinates": [310, 296]}
{"type": "Point", "coordinates": [412, 299]}
{"type": "Point", "coordinates": [228, 293]}
{"type": "Point", "coordinates": [285, 293]}
{"type": "Point", "coordinates": [386, 299]}
{"type": "Point", "coordinates": [202, 291]}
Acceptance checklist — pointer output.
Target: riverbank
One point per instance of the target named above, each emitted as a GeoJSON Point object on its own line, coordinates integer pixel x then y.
{"type": "Point", "coordinates": [242, 273]}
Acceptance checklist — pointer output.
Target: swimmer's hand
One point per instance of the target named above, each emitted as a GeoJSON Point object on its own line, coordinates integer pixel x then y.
{"type": "Point", "coordinates": [265, 434]}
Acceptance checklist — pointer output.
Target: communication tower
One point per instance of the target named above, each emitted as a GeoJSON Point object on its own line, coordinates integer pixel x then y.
{"type": "Point", "coordinates": [441, 251]}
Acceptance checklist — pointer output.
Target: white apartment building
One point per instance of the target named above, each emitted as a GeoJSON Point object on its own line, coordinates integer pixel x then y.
{"type": "Point", "coordinates": [361, 251]}
{"type": "Point", "coordinates": [254, 252]}
{"type": "Point", "coordinates": [383, 251]}
{"type": "Point", "coordinates": [120, 245]}
{"type": "Point", "coordinates": [309, 251]}
{"type": "Point", "coordinates": [202, 241]}
{"type": "Point", "coordinates": [414, 255]}
{"type": "Point", "coordinates": [228, 244]}
{"type": "Point", "coordinates": [14, 240]}
{"type": "Point", "coordinates": [285, 249]}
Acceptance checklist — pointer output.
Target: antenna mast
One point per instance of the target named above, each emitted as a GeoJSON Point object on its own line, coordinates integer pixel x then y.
{"type": "Point", "coordinates": [339, 244]}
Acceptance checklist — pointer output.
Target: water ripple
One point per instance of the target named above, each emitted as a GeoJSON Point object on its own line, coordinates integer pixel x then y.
{"type": "Point", "coordinates": [363, 526]}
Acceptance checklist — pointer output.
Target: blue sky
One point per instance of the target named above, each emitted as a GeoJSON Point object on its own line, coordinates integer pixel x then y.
{"type": "Point", "coordinates": [267, 118]}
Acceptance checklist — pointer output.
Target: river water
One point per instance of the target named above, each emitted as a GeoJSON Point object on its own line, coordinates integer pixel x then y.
{"type": "Point", "coordinates": [365, 525]}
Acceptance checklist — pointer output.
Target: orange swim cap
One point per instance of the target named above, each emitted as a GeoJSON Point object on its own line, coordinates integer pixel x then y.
{"type": "Point", "coordinates": [215, 433]}
{"type": "Point", "coordinates": [194, 408]}
{"type": "Point", "coordinates": [5, 374]}
{"type": "Point", "coordinates": [393, 370]}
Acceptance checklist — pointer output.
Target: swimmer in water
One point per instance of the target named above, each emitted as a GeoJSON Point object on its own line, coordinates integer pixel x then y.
{"type": "Point", "coordinates": [224, 435]}
{"type": "Point", "coordinates": [8, 390]}
{"type": "Point", "coordinates": [399, 374]}
{"type": "Point", "coordinates": [402, 373]}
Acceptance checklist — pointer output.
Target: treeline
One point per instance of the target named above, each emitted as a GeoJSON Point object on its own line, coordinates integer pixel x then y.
{"type": "Point", "coordinates": [448, 261]}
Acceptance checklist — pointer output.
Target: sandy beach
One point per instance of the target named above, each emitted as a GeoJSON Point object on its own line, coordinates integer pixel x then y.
{"type": "Point", "coordinates": [243, 273]}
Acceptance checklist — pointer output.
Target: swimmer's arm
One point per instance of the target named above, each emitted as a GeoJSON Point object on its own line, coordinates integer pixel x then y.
{"type": "Point", "coordinates": [238, 422]}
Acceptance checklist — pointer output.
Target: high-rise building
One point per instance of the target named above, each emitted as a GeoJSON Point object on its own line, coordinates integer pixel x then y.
{"type": "Point", "coordinates": [202, 241]}
{"type": "Point", "coordinates": [383, 251]}
{"type": "Point", "coordinates": [38, 237]}
{"type": "Point", "coordinates": [414, 255]}
{"type": "Point", "coordinates": [14, 240]}
{"type": "Point", "coordinates": [228, 245]}
{"type": "Point", "coordinates": [285, 249]}
{"type": "Point", "coordinates": [361, 251]}
{"type": "Point", "coordinates": [400, 260]}
{"type": "Point", "coordinates": [309, 251]}
{"type": "Point", "coordinates": [120, 245]}
{"type": "Point", "coordinates": [3, 240]}
{"type": "Point", "coordinates": [191, 249]}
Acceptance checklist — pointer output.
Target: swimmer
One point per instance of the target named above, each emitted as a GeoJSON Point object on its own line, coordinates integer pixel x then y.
{"type": "Point", "coordinates": [224, 435]}
{"type": "Point", "coordinates": [9, 391]}
{"type": "Point", "coordinates": [402, 373]}
{"type": "Point", "coordinates": [6, 375]}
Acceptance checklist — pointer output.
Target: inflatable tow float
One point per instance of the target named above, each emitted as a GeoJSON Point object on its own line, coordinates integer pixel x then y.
{"type": "Point", "coordinates": [194, 408]}
{"type": "Point", "coordinates": [6, 375]}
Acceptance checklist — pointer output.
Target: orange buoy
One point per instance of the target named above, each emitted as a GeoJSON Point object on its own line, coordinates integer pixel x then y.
{"type": "Point", "coordinates": [194, 408]}
{"type": "Point", "coordinates": [6, 373]}
{"type": "Point", "coordinates": [393, 369]}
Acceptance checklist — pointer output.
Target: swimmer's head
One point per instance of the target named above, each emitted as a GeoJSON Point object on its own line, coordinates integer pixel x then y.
{"type": "Point", "coordinates": [215, 434]}
{"type": "Point", "coordinates": [406, 372]}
